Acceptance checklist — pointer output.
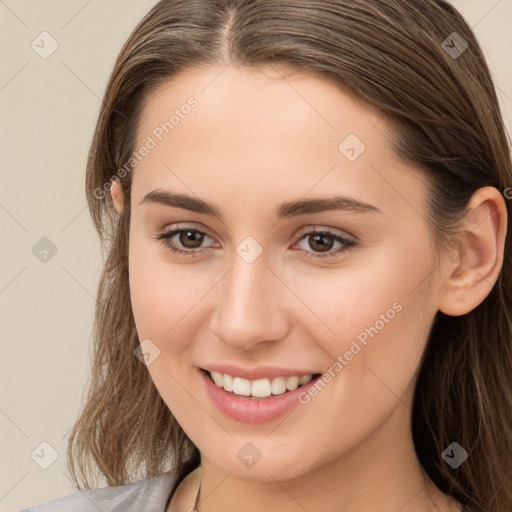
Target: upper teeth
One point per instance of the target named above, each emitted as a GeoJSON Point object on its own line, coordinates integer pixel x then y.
{"type": "Point", "coordinates": [259, 388]}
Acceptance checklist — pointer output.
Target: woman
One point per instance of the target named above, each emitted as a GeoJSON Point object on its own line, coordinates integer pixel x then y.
{"type": "Point", "coordinates": [305, 303]}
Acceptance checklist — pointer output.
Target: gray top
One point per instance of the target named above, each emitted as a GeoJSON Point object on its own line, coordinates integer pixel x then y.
{"type": "Point", "coordinates": [148, 495]}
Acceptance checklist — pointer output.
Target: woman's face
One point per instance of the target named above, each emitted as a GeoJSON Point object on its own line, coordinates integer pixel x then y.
{"type": "Point", "coordinates": [257, 293]}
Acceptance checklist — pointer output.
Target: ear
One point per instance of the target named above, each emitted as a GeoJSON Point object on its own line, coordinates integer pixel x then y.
{"type": "Point", "coordinates": [116, 192]}
{"type": "Point", "coordinates": [469, 276]}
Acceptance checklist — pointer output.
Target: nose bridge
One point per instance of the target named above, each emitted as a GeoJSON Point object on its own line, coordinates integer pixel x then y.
{"type": "Point", "coordinates": [249, 309]}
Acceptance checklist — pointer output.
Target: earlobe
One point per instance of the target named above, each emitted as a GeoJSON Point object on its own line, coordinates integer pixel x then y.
{"type": "Point", "coordinates": [472, 263]}
{"type": "Point", "coordinates": [116, 193]}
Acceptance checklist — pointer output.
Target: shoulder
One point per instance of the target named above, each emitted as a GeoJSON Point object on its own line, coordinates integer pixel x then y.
{"type": "Point", "coordinates": [150, 494]}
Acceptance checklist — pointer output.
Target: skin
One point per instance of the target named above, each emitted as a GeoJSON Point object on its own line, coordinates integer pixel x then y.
{"type": "Point", "coordinates": [257, 139]}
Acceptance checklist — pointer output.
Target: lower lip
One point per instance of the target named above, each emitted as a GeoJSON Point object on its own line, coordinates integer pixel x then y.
{"type": "Point", "coordinates": [253, 410]}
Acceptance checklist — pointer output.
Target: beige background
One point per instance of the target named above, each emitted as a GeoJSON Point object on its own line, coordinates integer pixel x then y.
{"type": "Point", "coordinates": [48, 110]}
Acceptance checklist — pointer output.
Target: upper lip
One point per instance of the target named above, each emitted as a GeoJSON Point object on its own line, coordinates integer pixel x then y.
{"type": "Point", "coordinates": [257, 372]}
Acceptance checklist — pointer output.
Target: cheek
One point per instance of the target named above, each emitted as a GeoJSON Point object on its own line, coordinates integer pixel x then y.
{"type": "Point", "coordinates": [371, 319]}
{"type": "Point", "coordinates": [370, 297]}
{"type": "Point", "coordinates": [378, 319]}
{"type": "Point", "coordinates": [165, 296]}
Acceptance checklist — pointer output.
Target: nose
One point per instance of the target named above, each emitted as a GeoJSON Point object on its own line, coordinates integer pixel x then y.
{"type": "Point", "coordinates": [250, 309]}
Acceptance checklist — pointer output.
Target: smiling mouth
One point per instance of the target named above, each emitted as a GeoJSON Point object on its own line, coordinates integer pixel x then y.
{"type": "Point", "coordinates": [260, 388]}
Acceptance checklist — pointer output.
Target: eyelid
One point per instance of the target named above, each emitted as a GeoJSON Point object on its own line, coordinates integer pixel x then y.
{"type": "Point", "coordinates": [175, 226]}
{"type": "Point", "coordinates": [171, 230]}
{"type": "Point", "coordinates": [322, 229]}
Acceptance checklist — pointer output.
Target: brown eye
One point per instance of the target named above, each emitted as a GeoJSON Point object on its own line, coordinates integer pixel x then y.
{"type": "Point", "coordinates": [190, 238]}
{"type": "Point", "coordinates": [187, 241]}
{"type": "Point", "coordinates": [322, 242]}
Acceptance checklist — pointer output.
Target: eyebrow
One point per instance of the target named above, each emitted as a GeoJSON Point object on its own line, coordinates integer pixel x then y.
{"type": "Point", "coordinates": [284, 210]}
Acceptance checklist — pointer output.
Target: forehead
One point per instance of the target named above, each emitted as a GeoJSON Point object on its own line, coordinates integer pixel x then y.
{"type": "Point", "coordinates": [263, 132]}
{"type": "Point", "coordinates": [266, 99]}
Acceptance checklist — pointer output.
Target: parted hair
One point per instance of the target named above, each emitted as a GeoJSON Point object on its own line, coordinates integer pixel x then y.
{"type": "Point", "coordinates": [394, 56]}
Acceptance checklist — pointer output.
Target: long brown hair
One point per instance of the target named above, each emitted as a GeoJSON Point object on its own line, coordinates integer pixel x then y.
{"type": "Point", "coordinates": [399, 57]}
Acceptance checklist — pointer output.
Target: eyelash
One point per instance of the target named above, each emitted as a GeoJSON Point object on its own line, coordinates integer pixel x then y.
{"type": "Point", "coordinates": [349, 244]}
